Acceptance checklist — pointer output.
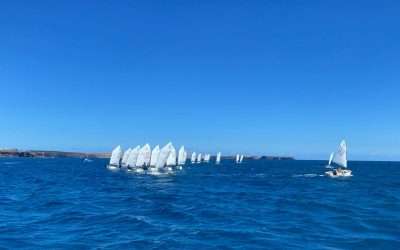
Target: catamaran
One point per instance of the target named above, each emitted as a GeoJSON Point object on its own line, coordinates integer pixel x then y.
{"type": "Point", "coordinates": [114, 159]}
{"type": "Point", "coordinates": [341, 160]}
{"type": "Point", "coordinates": [218, 160]}
{"type": "Point", "coordinates": [193, 159]}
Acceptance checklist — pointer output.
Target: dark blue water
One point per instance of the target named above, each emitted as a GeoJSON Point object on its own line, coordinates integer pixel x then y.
{"type": "Point", "coordinates": [62, 203]}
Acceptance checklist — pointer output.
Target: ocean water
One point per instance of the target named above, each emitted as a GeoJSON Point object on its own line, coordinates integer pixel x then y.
{"type": "Point", "coordinates": [65, 204]}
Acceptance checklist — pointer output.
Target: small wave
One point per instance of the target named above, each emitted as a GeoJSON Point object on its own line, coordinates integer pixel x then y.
{"type": "Point", "coordinates": [304, 175]}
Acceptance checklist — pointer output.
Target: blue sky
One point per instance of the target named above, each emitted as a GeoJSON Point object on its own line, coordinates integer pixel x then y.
{"type": "Point", "coordinates": [259, 77]}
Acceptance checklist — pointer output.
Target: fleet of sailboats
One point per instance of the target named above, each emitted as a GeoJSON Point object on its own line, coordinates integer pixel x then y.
{"type": "Point", "coordinates": [143, 158]}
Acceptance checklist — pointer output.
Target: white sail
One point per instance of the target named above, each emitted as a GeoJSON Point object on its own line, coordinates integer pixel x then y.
{"type": "Point", "coordinates": [115, 156]}
{"type": "Point", "coordinates": [184, 158]}
{"type": "Point", "coordinates": [163, 156]}
{"type": "Point", "coordinates": [218, 160]}
{"type": "Point", "coordinates": [154, 156]}
{"type": "Point", "coordinates": [144, 153]}
{"type": "Point", "coordinates": [341, 155]}
{"type": "Point", "coordinates": [193, 159]}
{"type": "Point", "coordinates": [125, 157]}
{"type": "Point", "coordinates": [132, 158]}
{"type": "Point", "coordinates": [181, 155]}
{"type": "Point", "coordinates": [198, 158]}
{"type": "Point", "coordinates": [330, 159]}
{"type": "Point", "coordinates": [171, 161]}
{"type": "Point", "coordinates": [241, 159]}
{"type": "Point", "coordinates": [147, 154]}
{"type": "Point", "coordinates": [207, 158]}
{"type": "Point", "coordinates": [237, 158]}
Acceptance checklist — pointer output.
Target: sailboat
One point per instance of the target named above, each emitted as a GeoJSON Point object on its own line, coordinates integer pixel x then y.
{"type": "Point", "coordinates": [181, 155]}
{"type": "Point", "coordinates": [184, 158]}
{"type": "Point", "coordinates": [147, 155]}
{"type": "Point", "coordinates": [341, 160]}
{"type": "Point", "coordinates": [241, 159]}
{"type": "Point", "coordinates": [154, 156]}
{"type": "Point", "coordinates": [132, 158]}
{"type": "Point", "coordinates": [207, 158]}
{"type": "Point", "coordinates": [164, 154]}
{"type": "Point", "coordinates": [193, 159]}
{"type": "Point", "coordinates": [218, 160]}
{"type": "Point", "coordinates": [237, 158]}
{"type": "Point", "coordinates": [198, 158]}
{"type": "Point", "coordinates": [114, 159]}
{"type": "Point", "coordinates": [171, 161]}
{"type": "Point", "coordinates": [125, 157]}
{"type": "Point", "coordinates": [142, 158]}
{"type": "Point", "coordinates": [330, 161]}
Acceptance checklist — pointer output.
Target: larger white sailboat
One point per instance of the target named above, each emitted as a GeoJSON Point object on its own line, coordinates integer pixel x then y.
{"type": "Point", "coordinates": [341, 160]}
{"type": "Point", "coordinates": [143, 157]}
{"type": "Point", "coordinates": [241, 159]}
{"type": "Point", "coordinates": [114, 159]}
{"type": "Point", "coordinates": [218, 160]}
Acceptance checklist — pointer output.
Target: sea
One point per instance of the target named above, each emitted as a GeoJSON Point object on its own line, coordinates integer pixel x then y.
{"type": "Point", "coordinates": [63, 203]}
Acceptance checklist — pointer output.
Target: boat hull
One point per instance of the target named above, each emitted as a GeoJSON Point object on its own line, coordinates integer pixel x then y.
{"type": "Point", "coordinates": [344, 173]}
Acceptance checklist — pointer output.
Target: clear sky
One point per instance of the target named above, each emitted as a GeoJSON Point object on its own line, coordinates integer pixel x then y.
{"type": "Point", "coordinates": [258, 77]}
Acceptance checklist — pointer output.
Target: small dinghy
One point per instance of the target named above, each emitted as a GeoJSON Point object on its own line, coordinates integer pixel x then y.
{"type": "Point", "coordinates": [218, 160]}
{"type": "Point", "coordinates": [341, 160]}
{"type": "Point", "coordinates": [193, 159]}
{"type": "Point", "coordinates": [114, 159]}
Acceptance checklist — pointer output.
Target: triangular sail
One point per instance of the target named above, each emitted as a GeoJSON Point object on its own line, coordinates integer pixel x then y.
{"type": "Point", "coordinates": [132, 158]}
{"type": "Point", "coordinates": [198, 158]}
{"type": "Point", "coordinates": [218, 160]}
{"type": "Point", "coordinates": [181, 155]}
{"type": "Point", "coordinates": [341, 155]}
{"type": "Point", "coordinates": [237, 158]}
{"type": "Point", "coordinates": [193, 159]}
{"type": "Point", "coordinates": [241, 159]}
{"type": "Point", "coordinates": [164, 154]}
{"type": "Point", "coordinates": [147, 154]}
{"type": "Point", "coordinates": [125, 157]}
{"type": "Point", "coordinates": [171, 161]}
{"type": "Point", "coordinates": [115, 156]}
{"type": "Point", "coordinates": [330, 159]}
{"type": "Point", "coordinates": [140, 159]}
{"type": "Point", "coordinates": [184, 158]}
{"type": "Point", "coordinates": [154, 156]}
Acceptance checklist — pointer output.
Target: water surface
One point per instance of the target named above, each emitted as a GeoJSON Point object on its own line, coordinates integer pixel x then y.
{"type": "Point", "coordinates": [65, 204]}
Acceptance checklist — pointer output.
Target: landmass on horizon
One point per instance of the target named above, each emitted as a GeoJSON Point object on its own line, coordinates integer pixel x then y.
{"type": "Point", "coordinates": [18, 153]}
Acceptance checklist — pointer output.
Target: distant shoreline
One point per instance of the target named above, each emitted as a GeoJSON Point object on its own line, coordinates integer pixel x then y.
{"type": "Point", "coordinates": [17, 153]}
